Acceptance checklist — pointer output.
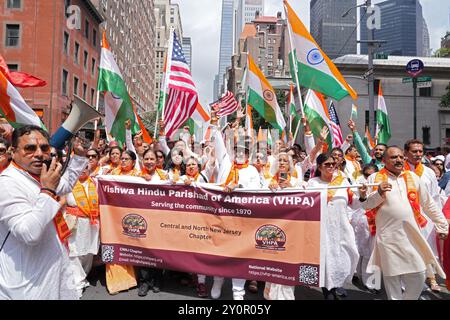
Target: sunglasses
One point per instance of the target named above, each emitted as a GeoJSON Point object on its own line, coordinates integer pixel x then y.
{"type": "Point", "coordinates": [329, 165]}
{"type": "Point", "coordinates": [89, 156]}
{"type": "Point", "coordinates": [32, 148]}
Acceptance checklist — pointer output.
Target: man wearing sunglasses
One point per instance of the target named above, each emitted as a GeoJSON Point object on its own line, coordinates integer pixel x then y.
{"type": "Point", "coordinates": [33, 233]}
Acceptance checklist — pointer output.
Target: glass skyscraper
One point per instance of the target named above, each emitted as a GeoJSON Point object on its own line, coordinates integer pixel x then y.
{"type": "Point", "coordinates": [226, 44]}
{"type": "Point", "coordinates": [402, 26]}
{"type": "Point", "coordinates": [334, 34]}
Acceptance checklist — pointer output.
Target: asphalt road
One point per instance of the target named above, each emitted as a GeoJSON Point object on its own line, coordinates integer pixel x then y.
{"type": "Point", "coordinates": [173, 290]}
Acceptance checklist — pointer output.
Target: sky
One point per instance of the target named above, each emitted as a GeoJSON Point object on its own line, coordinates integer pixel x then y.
{"type": "Point", "coordinates": [201, 21]}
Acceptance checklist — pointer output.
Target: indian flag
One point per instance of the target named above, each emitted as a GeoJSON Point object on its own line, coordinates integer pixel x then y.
{"type": "Point", "coordinates": [249, 122]}
{"type": "Point", "coordinates": [383, 126]}
{"type": "Point", "coordinates": [354, 115]}
{"type": "Point", "coordinates": [261, 96]}
{"type": "Point", "coordinates": [314, 69]}
{"type": "Point", "coordinates": [368, 141]}
{"type": "Point", "coordinates": [118, 104]}
{"type": "Point", "coordinates": [14, 108]}
{"type": "Point", "coordinates": [199, 122]}
{"type": "Point", "coordinates": [316, 112]}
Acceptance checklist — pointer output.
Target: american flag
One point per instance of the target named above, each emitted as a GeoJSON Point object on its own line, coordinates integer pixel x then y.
{"type": "Point", "coordinates": [226, 105]}
{"type": "Point", "coordinates": [182, 96]}
{"type": "Point", "coordinates": [335, 125]}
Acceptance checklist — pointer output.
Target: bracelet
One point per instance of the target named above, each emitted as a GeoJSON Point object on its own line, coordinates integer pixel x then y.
{"type": "Point", "coordinates": [47, 190]}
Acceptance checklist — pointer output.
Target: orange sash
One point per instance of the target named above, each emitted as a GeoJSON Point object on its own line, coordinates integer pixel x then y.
{"type": "Point", "coordinates": [62, 229]}
{"type": "Point", "coordinates": [160, 173]}
{"type": "Point", "coordinates": [413, 199]}
{"type": "Point", "coordinates": [336, 182]}
{"type": "Point", "coordinates": [233, 176]}
{"type": "Point", "coordinates": [419, 168]}
{"type": "Point", "coordinates": [87, 203]}
{"type": "Point", "coordinates": [119, 172]}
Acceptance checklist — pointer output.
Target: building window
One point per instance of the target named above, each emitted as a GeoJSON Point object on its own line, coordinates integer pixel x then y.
{"type": "Point", "coordinates": [66, 43]}
{"type": "Point", "coordinates": [75, 85]}
{"type": "Point", "coordinates": [84, 91]}
{"type": "Point", "coordinates": [94, 38]}
{"type": "Point", "coordinates": [93, 66]}
{"type": "Point", "coordinates": [65, 75]}
{"type": "Point", "coordinates": [426, 135]}
{"type": "Point", "coordinates": [92, 96]}
{"type": "Point", "coordinates": [172, 20]}
{"type": "Point", "coordinates": [13, 67]}
{"type": "Point", "coordinates": [12, 35]}
{"type": "Point", "coordinates": [86, 29]}
{"type": "Point", "coordinates": [14, 4]}
{"type": "Point", "coordinates": [85, 60]}
{"type": "Point", "coordinates": [76, 54]}
{"type": "Point", "coordinates": [425, 92]}
{"type": "Point", "coordinates": [367, 116]}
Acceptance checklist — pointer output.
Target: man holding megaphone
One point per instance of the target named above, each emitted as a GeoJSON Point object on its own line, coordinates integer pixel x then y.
{"type": "Point", "coordinates": [33, 233]}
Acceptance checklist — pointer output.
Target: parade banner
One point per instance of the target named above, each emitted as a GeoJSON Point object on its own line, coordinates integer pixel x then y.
{"type": "Point", "coordinates": [262, 236]}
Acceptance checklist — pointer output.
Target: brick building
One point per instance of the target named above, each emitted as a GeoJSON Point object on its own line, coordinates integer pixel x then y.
{"type": "Point", "coordinates": [37, 38]}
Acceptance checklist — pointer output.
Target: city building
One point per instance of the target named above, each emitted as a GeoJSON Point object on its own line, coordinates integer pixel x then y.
{"type": "Point", "coordinates": [187, 50]}
{"type": "Point", "coordinates": [433, 122]}
{"type": "Point", "coordinates": [226, 44]}
{"type": "Point", "coordinates": [245, 13]}
{"type": "Point", "coordinates": [168, 17]}
{"type": "Point", "coordinates": [402, 27]}
{"type": "Point", "coordinates": [130, 29]}
{"type": "Point", "coordinates": [444, 51]}
{"type": "Point", "coordinates": [50, 46]}
{"type": "Point", "coordinates": [336, 35]}
{"type": "Point", "coordinates": [266, 40]}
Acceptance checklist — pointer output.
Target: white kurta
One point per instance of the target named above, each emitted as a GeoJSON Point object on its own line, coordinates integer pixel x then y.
{"type": "Point", "coordinates": [341, 253]}
{"type": "Point", "coordinates": [33, 264]}
{"type": "Point", "coordinates": [400, 247]}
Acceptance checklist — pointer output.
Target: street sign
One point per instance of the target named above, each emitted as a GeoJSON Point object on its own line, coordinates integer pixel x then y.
{"type": "Point", "coordinates": [381, 56]}
{"type": "Point", "coordinates": [419, 79]}
{"type": "Point", "coordinates": [414, 67]}
{"type": "Point", "coordinates": [427, 84]}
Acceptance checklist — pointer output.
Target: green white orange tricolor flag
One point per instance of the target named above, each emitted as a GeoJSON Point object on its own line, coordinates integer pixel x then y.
{"type": "Point", "coordinates": [294, 116]}
{"type": "Point", "coordinates": [316, 112]}
{"type": "Point", "coordinates": [261, 96]}
{"type": "Point", "coordinates": [368, 140]}
{"type": "Point", "coordinates": [383, 126]}
{"type": "Point", "coordinates": [118, 104]}
{"type": "Point", "coordinates": [315, 70]}
{"type": "Point", "coordinates": [14, 108]}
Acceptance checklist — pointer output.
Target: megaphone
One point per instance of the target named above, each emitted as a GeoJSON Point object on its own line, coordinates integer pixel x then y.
{"type": "Point", "coordinates": [80, 114]}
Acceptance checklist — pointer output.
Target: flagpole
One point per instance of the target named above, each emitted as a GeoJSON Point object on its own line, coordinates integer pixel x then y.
{"type": "Point", "coordinates": [297, 83]}
{"type": "Point", "coordinates": [165, 79]}
{"type": "Point", "coordinates": [96, 108]}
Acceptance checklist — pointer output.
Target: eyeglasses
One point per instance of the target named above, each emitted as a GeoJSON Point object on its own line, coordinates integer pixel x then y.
{"type": "Point", "coordinates": [329, 165]}
{"type": "Point", "coordinates": [32, 148]}
{"type": "Point", "coordinates": [2, 151]}
{"type": "Point", "coordinates": [89, 156]}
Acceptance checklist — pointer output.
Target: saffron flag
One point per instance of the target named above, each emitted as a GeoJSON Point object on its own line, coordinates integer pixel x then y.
{"type": "Point", "coordinates": [335, 125]}
{"type": "Point", "coordinates": [316, 112]}
{"type": "Point", "coordinates": [383, 126]}
{"type": "Point", "coordinates": [261, 96]}
{"type": "Point", "coordinates": [118, 104]}
{"type": "Point", "coordinates": [14, 108]}
{"type": "Point", "coordinates": [368, 141]}
{"type": "Point", "coordinates": [182, 97]}
{"type": "Point", "coordinates": [20, 79]}
{"type": "Point", "coordinates": [314, 69]}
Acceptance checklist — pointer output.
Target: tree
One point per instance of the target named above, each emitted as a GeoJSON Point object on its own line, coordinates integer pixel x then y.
{"type": "Point", "coordinates": [445, 100]}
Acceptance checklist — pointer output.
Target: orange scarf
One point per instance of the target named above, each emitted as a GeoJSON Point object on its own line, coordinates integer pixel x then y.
{"type": "Point", "coordinates": [335, 183]}
{"type": "Point", "coordinates": [413, 199]}
{"type": "Point", "coordinates": [119, 172]}
{"type": "Point", "coordinates": [160, 173]}
{"type": "Point", "coordinates": [233, 176]}
{"type": "Point", "coordinates": [419, 168]}
{"type": "Point", "coordinates": [87, 203]}
{"type": "Point", "coordinates": [62, 229]}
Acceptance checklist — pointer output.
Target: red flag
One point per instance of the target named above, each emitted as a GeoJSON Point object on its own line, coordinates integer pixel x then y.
{"type": "Point", "coordinates": [20, 79]}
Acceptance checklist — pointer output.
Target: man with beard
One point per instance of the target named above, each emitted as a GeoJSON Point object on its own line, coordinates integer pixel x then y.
{"type": "Point", "coordinates": [33, 256]}
{"type": "Point", "coordinates": [401, 252]}
{"type": "Point", "coordinates": [378, 151]}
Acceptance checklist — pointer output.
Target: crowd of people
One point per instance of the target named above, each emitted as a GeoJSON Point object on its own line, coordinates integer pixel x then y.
{"type": "Point", "coordinates": [388, 221]}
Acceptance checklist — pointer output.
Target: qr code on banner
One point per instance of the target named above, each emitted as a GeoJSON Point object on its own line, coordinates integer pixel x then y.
{"type": "Point", "coordinates": [309, 275]}
{"type": "Point", "coordinates": [107, 253]}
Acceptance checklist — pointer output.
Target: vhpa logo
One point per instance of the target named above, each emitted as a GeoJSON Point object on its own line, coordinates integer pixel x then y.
{"type": "Point", "coordinates": [270, 237]}
{"type": "Point", "coordinates": [134, 226]}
